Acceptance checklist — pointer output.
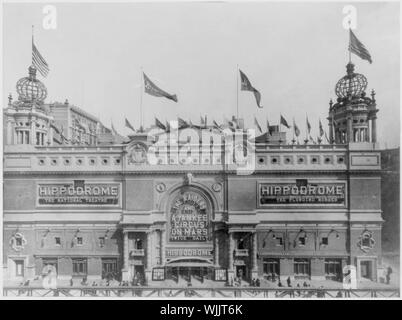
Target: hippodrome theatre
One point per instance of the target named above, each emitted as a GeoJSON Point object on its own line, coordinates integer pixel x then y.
{"type": "Point", "coordinates": [92, 203]}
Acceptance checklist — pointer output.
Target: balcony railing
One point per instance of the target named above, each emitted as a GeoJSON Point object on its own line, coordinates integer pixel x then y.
{"type": "Point", "coordinates": [223, 292]}
{"type": "Point", "coordinates": [137, 252]}
{"type": "Point", "coordinates": [241, 252]}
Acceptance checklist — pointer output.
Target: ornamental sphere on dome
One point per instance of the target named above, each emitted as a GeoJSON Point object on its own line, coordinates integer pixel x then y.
{"type": "Point", "coordinates": [352, 84]}
{"type": "Point", "coordinates": [30, 89]}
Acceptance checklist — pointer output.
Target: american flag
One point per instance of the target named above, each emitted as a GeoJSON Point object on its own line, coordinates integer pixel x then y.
{"type": "Point", "coordinates": [39, 62]}
{"type": "Point", "coordinates": [358, 48]}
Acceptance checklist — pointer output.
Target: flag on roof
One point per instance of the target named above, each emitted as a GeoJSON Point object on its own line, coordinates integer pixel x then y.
{"type": "Point", "coordinates": [246, 86]}
{"type": "Point", "coordinates": [257, 124]}
{"type": "Point", "coordinates": [358, 48]}
{"type": "Point", "coordinates": [321, 129]}
{"type": "Point", "coordinates": [128, 124]}
{"type": "Point", "coordinates": [308, 125]}
{"type": "Point", "coordinates": [296, 128]}
{"type": "Point", "coordinates": [284, 122]}
{"type": "Point", "coordinates": [38, 61]}
{"type": "Point", "coordinates": [159, 124]}
{"type": "Point", "coordinates": [155, 91]}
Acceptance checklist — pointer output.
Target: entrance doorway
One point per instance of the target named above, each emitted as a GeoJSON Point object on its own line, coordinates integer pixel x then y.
{"type": "Point", "coordinates": [366, 270]}
{"type": "Point", "coordinates": [191, 275]}
{"type": "Point", "coordinates": [109, 269]}
{"type": "Point", "coordinates": [241, 272]}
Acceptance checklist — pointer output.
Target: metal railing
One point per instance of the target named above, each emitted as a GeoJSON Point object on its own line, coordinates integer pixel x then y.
{"type": "Point", "coordinates": [241, 252]}
{"type": "Point", "coordinates": [202, 292]}
{"type": "Point", "coordinates": [137, 252]}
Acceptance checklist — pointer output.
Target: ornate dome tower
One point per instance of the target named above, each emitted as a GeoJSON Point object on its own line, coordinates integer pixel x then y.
{"type": "Point", "coordinates": [349, 118]}
{"type": "Point", "coordinates": [26, 120]}
{"type": "Point", "coordinates": [30, 89]}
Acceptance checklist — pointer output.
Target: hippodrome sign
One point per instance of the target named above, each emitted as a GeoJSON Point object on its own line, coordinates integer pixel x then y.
{"type": "Point", "coordinates": [189, 218]}
{"type": "Point", "coordinates": [309, 194]}
{"type": "Point", "coordinates": [188, 252]}
{"type": "Point", "coordinates": [107, 194]}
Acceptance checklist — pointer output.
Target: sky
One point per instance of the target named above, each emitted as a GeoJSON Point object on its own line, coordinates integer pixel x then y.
{"type": "Point", "coordinates": [293, 53]}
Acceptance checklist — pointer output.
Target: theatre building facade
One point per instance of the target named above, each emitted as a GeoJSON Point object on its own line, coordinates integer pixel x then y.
{"type": "Point", "coordinates": [106, 209]}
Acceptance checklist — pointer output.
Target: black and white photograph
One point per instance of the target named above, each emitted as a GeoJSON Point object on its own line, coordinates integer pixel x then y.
{"type": "Point", "coordinates": [184, 150]}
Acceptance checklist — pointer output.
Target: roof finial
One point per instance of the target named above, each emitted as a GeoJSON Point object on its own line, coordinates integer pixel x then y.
{"type": "Point", "coordinates": [373, 94]}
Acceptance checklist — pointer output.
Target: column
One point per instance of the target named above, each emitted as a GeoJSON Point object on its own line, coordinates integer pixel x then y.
{"type": "Point", "coordinates": [373, 129]}
{"type": "Point", "coordinates": [33, 135]}
{"type": "Point", "coordinates": [349, 129]}
{"type": "Point", "coordinates": [125, 271]}
{"type": "Point", "coordinates": [163, 245]}
{"type": "Point", "coordinates": [9, 131]}
{"type": "Point", "coordinates": [254, 270]}
{"type": "Point", "coordinates": [216, 248]}
{"type": "Point", "coordinates": [230, 264]}
{"type": "Point", "coordinates": [331, 133]}
{"type": "Point", "coordinates": [148, 270]}
{"type": "Point", "coordinates": [50, 136]}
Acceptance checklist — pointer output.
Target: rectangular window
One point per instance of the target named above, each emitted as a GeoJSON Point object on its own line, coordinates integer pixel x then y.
{"type": "Point", "coordinates": [19, 268]}
{"type": "Point", "coordinates": [279, 241]}
{"type": "Point", "coordinates": [301, 267]}
{"type": "Point", "coordinates": [324, 241]}
{"type": "Point", "coordinates": [109, 268]}
{"type": "Point", "coordinates": [333, 268]}
{"type": "Point", "coordinates": [18, 241]}
{"type": "Point", "coordinates": [80, 266]}
{"type": "Point", "coordinates": [79, 241]}
{"type": "Point", "coordinates": [302, 241]}
{"type": "Point", "coordinates": [271, 266]}
{"type": "Point", "coordinates": [57, 241]}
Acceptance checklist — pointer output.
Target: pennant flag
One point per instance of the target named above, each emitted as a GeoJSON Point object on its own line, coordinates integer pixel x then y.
{"type": "Point", "coordinates": [159, 124]}
{"type": "Point", "coordinates": [217, 126]}
{"type": "Point", "coordinates": [284, 122]}
{"type": "Point", "coordinates": [246, 86]}
{"type": "Point", "coordinates": [321, 129]}
{"type": "Point", "coordinates": [268, 128]}
{"type": "Point", "coordinates": [257, 124]}
{"type": "Point", "coordinates": [308, 125]}
{"type": "Point", "coordinates": [128, 124]}
{"type": "Point", "coordinates": [39, 62]}
{"type": "Point", "coordinates": [236, 123]}
{"type": "Point", "coordinates": [182, 124]}
{"type": "Point", "coordinates": [326, 137]}
{"type": "Point", "coordinates": [155, 91]}
{"type": "Point", "coordinates": [114, 132]}
{"type": "Point", "coordinates": [296, 129]}
{"type": "Point", "coordinates": [358, 48]}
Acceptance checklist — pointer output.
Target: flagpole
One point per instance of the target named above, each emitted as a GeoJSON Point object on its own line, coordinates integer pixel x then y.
{"type": "Point", "coordinates": [350, 52]}
{"type": "Point", "coordinates": [237, 91]}
{"type": "Point", "coordinates": [32, 43]}
{"type": "Point", "coordinates": [142, 89]}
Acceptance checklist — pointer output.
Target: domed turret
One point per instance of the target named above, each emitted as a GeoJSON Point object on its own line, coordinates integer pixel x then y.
{"type": "Point", "coordinates": [30, 89]}
{"type": "Point", "coordinates": [349, 118]}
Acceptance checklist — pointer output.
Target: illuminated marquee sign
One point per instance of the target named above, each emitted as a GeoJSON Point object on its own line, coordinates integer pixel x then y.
{"type": "Point", "coordinates": [107, 194]}
{"type": "Point", "coordinates": [307, 194]}
{"type": "Point", "coordinates": [189, 220]}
